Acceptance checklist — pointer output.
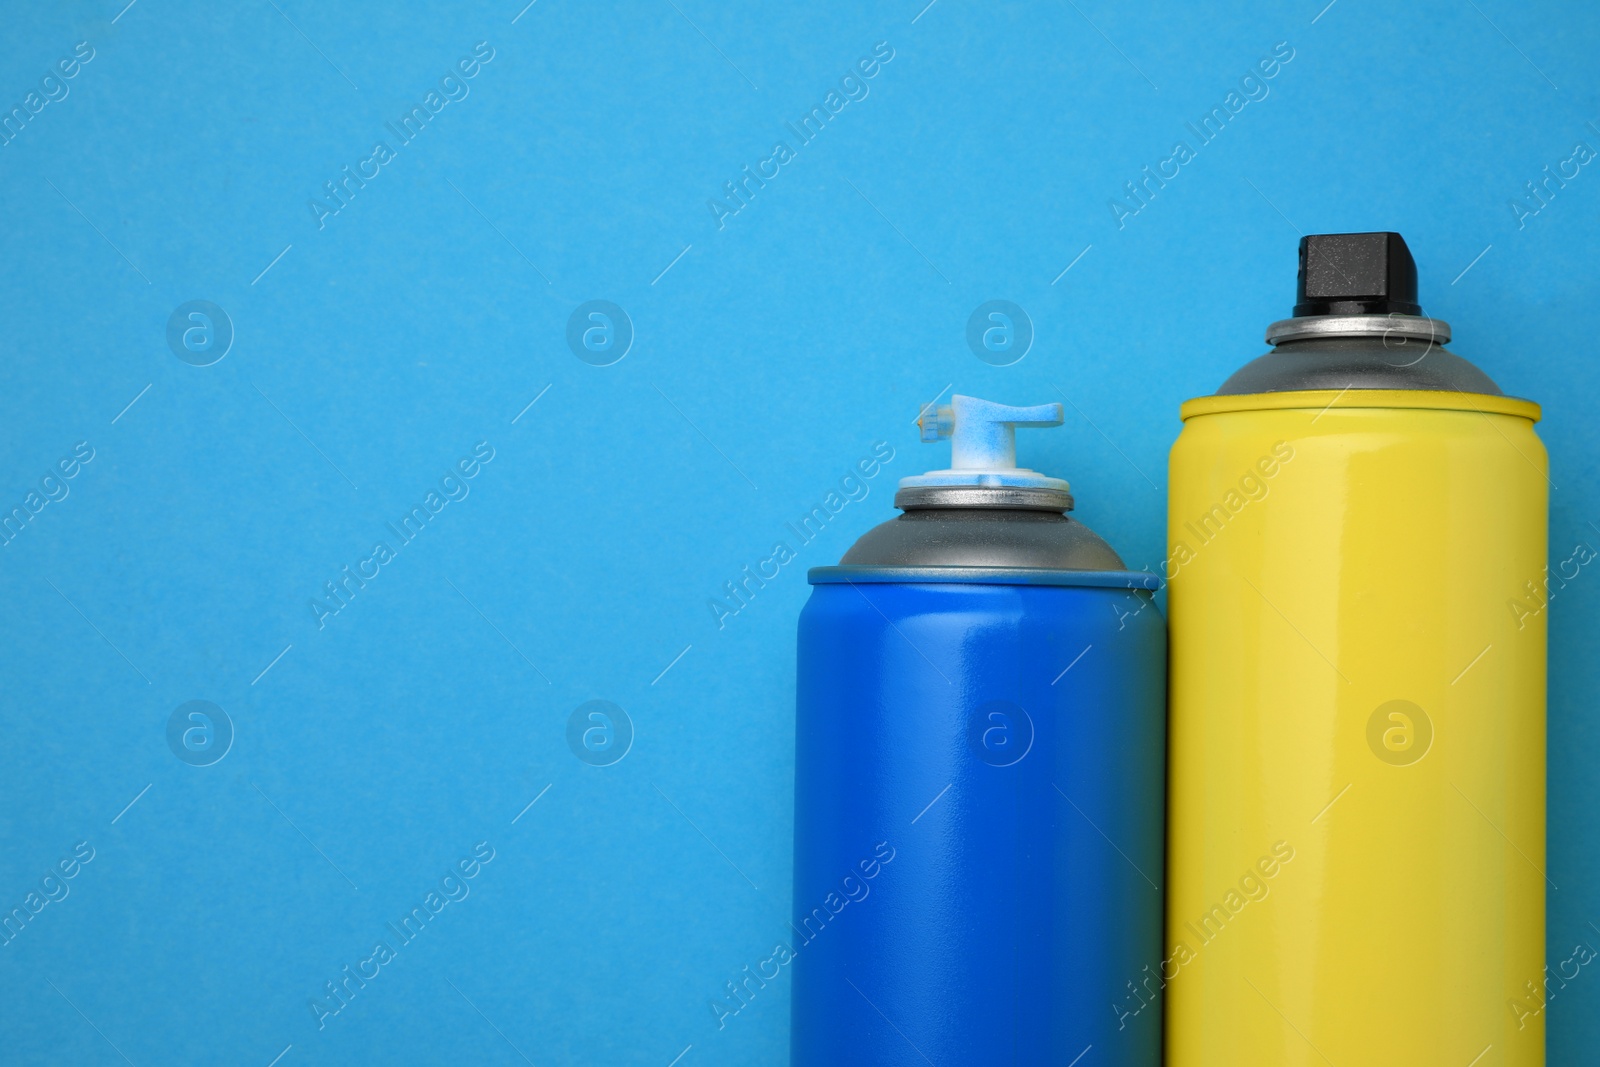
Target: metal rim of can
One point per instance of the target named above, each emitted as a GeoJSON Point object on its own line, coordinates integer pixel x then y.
{"type": "Point", "coordinates": [1418, 326]}
{"type": "Point", "coordinates": [849, 574]}
{"type": "Point", "coordinates": [1323, 399]}
{"type": "Point", "coordinates": [1019, 498]}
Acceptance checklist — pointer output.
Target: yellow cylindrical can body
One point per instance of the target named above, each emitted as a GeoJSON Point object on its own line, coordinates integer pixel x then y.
{"type": "Point", "coordinates": [1356, 859]}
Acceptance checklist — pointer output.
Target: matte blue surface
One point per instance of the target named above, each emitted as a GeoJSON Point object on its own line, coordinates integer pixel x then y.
{"type": "Point", "coordinates": [765, 363]}
{"type": "Point", "coordinates": [1001, 749]}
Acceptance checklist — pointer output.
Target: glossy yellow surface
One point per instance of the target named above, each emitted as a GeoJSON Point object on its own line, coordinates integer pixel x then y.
{"type": "Point", "coordinates": [1356, 808]}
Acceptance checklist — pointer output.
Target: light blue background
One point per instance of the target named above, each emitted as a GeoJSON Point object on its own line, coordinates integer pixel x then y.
{"type": "Point", "coordinates": [768, 359]}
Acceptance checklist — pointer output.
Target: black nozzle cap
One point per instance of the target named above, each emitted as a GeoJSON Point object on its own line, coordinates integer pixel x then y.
{"type": "Point", "coordinates": [1356, 274]}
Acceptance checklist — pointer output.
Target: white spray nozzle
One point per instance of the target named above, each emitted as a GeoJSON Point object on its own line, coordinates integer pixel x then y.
{"type": "Point", "coordinates": [982, 433]}
{"type": "Point", "coordinates": [983, 443]}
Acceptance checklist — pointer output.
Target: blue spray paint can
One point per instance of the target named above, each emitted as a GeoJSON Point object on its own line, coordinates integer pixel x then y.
{"type": "Point", "coordinates": [979, 778]}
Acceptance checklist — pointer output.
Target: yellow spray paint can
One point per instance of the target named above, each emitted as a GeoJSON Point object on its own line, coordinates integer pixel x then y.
{"type": "Point", "coordinates": [1357, 535]}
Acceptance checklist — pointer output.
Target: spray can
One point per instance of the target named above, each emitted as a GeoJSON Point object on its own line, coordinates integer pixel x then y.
{"type": "Point", "coordinates": [1357, 531]}
{"type": "Point", "coordinates": [980, 752]}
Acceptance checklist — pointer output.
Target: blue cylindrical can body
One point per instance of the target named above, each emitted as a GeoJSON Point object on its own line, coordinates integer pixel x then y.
{"type": "Point", "coordinates": [979, 789]}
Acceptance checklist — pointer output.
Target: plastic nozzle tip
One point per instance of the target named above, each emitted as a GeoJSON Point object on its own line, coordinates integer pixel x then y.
{"type": "Point", "coordinates": [1356, 274]}
{"type": "Point", "coordinates": [936, 423]}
